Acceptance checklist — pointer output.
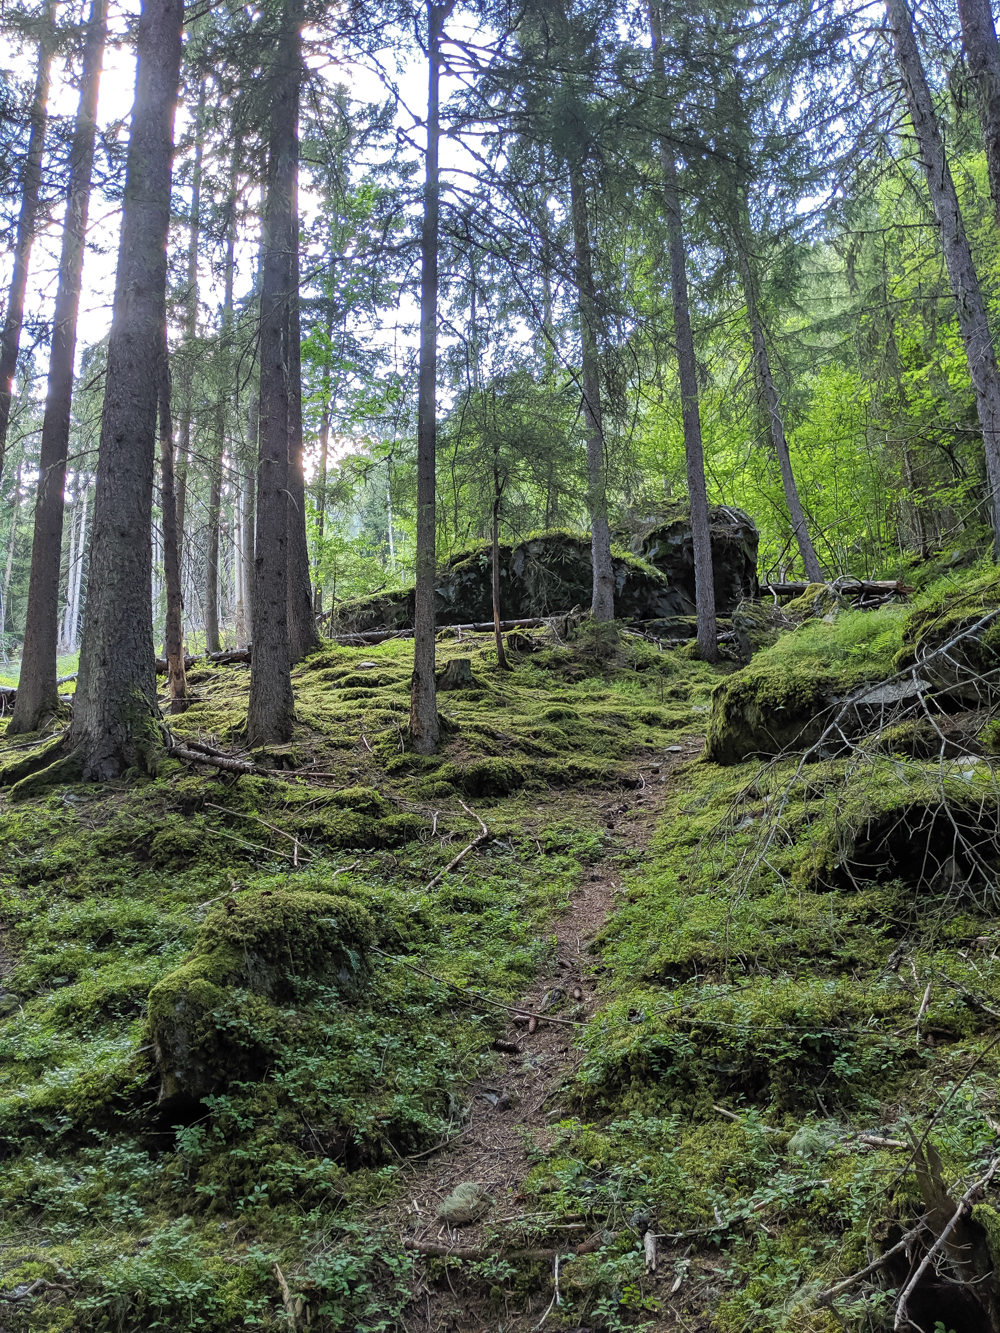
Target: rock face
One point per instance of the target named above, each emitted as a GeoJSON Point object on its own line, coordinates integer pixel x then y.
{"type": "Point", "coordinates": [221, 1014]}
{"type": "Point", "coordinates": [551, 573]}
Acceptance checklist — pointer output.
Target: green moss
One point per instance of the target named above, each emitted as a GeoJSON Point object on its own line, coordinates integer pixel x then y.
{"type": "Point", "coordinates": [781, 699]}
{"type": "Point", "coordinates": [216, 1016]}
{"type": "Point", "coordinates": [487, 777]}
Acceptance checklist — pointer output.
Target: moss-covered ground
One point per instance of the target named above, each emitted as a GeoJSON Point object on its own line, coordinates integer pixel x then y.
{"type": "Point", "coordinates": [802, 980]}
{"type": "Point", "coordinates": [126, 1215]}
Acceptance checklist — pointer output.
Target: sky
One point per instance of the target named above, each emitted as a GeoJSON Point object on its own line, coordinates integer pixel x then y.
{"type": "Point", "coordinates": [115, 104]}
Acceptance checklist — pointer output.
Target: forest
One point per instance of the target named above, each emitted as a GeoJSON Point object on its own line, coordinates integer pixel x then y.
{"type": "Point", "coordinates": [499, 667]}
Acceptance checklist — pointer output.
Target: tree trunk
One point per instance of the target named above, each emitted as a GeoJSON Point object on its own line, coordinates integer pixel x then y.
{"type": "Point", "coordinates": [249, 508]}
{"type": "Point", "coordinates": [81, 550]}
{"type": "Point", "coordinates": [302, 633]}
{"type": "Point", "coordinates": [212, 551]}
{"type": "Point", "coordinates": [424, 722]}
{"type": "Point", "coordinates": [982, 50]}
{"type": "Point", "coordinates": [765, 379]}
{"type": "Point", "coordinates": [979, 349]}
{"type": "Point", "coordinates": [603, 598]}
{"type": "Point", "coordinates": [15, 509]}
{"type": "Point", "coordinates": [115, 715]}
{"type": "Point", "coordinates": [687, 367]}
{"type": "Point", "coordinates": [173, 633]}
{"type": "Point", "coordinates": [185, 369]}
{"type": "Point", "coordinates": [63, 645]}
{"type": "Point", "coordinates": [37, 693]}
{"type": "Point", "coordinates": [271, 714]}
{"type": "Point", "coordinates": [497, 496]}
{"type": "Point", "coordinates": [31, 180]}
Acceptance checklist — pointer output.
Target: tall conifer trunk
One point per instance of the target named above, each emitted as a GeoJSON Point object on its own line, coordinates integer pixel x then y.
{"type": "Point", "coordinates": [772, 404]}
{"type": "Point", "coordinates": [271, 714]}
{"type": "Point", "coordinates": [37, 694]}
{"type": "Point", "coordinates": [602, 605]}
{"type": "Point", "coordinates": [185, 372]}
{"type": "Point", "coordinates": [980, 352]}
{"type": "Point", "coordinates": [982, 50]}
{"type": "Point", "coordinates": [173, 632]}
{"type": "Point", "coordinates": [424, 723]}
{"type": "Point", "coordinates": [115, 714]}
{"type": "Point", "coordinates": [687, 368]}
{"type": "Point", "coordinates": [31, 180]}
{"type": "Point", "coordinates": [302, 633]}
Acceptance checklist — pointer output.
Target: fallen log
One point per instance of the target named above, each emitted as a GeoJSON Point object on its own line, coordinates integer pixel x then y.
{"type": "Point", "coordinates": [161, 665]}
{"type": "Point", "coordinates": [482, 627]}
{"type": "Point", "coordinates": [850, 587]}
{"type": "Point", "coordinates": [229, 658]}
{"type": "Point", "coordinates": [432, 1251]}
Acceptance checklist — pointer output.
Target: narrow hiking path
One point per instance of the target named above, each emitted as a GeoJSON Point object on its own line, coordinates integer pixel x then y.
{"type": "Point", "coordinates": [512, 1111]}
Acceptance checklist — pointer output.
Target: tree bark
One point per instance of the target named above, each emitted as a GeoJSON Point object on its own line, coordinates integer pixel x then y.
{"type": "Point", "coordinates": [31, 180]}
{"type": "Point", "coordinates": [497, 496]}
{"type": "Point", "coordinates": [15, 510]}
{"type": "Point", "coordinates": [980, 352]}
{"type": "Point", "coordinates": [271, 714]}
{"type": "Point", "coordinates": [302, 633]}
{"type": "Point", "coordinates": [424, 722]}
{"type": "Point", "coordinates": [765, 379]}
{"type": "Point", "coordinates": [73, 622]}
{"type": "Point", "coordinates": [115, 715]}
{"type": "Point", "coordinates": [687, 368]}
{"type": "Point", "coordinates": [173, 633]}
{"type": "Point", "coordinates": [185, 369]}
{"type": "Point", "coordinates": [37, 693]}
{"type": "Point", "coordinates": [602, 605]}
{"type": "Point", "coordinates": [982, 51]}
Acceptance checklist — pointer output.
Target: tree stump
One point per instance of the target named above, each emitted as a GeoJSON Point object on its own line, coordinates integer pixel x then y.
{"type": "Point", "coordinates": [456, 675]}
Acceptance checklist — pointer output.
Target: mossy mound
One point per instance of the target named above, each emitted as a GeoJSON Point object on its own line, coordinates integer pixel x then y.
{"type": "Point", "coordinates": [218, 1016]}
{"type": "Point", "coordinates": [966, 616]}
{"type": "Point", "coordinates": [788, 695]}
{"type": "Point", "coordinates": [818, 601]}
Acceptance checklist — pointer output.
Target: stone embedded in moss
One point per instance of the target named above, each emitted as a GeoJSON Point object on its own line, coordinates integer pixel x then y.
{"type": "Point", "coordinates": [218, 1016]}
{"type": "Point", "coordinates": [819, 600]}
{"type": "Point", "coordinates": [363, 800]}
{"type": "Point", "coordinates": [487, 777]}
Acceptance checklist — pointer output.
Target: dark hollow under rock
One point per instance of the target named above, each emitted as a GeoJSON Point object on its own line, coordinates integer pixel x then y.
{"type": "Point", "coordinates": [550, 573]}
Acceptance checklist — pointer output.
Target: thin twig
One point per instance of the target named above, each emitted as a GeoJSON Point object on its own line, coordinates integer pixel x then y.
{"type": "Point", "coordinates": [831, 1293]}
{"type": "Point", "coordinates": [464, 852]}
{"type": "Point", "coordinates": [239, 814]}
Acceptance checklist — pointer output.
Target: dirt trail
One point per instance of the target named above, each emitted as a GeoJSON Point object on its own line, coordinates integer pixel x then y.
{"type": "Point", "coordinates": [516, 1107]}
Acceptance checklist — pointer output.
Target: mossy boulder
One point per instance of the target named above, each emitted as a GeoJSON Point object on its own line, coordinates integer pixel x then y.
{"type": "Point", "coordinates": [550, 573]}
{"type": "Point", "coordinates": [819, 599]}
{"type": "Point", "coordinates": [222, 1013]}
{"type": "Point", "coordinates": [967, 673]}
{"type": "Point", "coordinates": [788, 696]}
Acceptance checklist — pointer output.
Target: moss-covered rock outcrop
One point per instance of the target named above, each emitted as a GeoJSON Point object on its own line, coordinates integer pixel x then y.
{"type": "Point", "coordinates": [551, 572]}
{"type": "Point", "coordinates": [790, 693]}
{"type": "Point", "coordinates": [219, 1015]}
{"type": "Point", "coordinates": [967, 617]}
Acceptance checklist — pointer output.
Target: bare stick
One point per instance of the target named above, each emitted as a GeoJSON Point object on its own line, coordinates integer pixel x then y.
{"type": "Point", "coordinates": [902, 1321]}
{"type": "Point", "coordinates": [465, 850]}
{"type": "Point", "coordinates": [444, 1252]}
{"type": "Point", "coordinates": [237, 814]}
{"type": "Point", "coordinates": [831, 1293]}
